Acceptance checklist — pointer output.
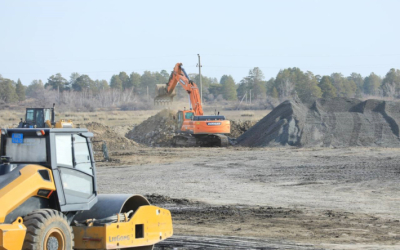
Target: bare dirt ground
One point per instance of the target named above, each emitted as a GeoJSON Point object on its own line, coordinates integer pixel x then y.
{"type": "Point", "coordinates": [272, 198]}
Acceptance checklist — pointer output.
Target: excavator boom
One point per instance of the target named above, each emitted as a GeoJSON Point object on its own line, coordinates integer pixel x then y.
{"type": "Point", "coordinates": [166, 91]}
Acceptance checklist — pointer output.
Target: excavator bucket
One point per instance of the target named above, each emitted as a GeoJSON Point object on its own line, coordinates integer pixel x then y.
{"type": "Point", "coordinates": [162, 95]}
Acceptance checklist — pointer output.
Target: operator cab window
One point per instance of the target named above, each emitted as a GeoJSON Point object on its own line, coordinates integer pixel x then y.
{"type": "Point", "coordinates": [82, 156]}
{"type": "Point", "coordinates": [73, 152]}
{"type": "Point", "coordinates": [30, 115]}
{"type": "Point", "coordinates": [189, 116]}
{"type": "Point", "coordinates": [47, 115]}
{"type": "Point", "coordinates": [64, 150]}
{"type": "Point", "coordinates": [39, 118]}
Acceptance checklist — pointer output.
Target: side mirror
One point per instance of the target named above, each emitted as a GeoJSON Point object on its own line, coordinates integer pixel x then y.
{"type": "Point", "coordinates": [5, 160]}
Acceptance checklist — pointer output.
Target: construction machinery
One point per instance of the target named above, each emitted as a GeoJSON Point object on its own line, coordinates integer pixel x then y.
{"type": "Point", "coordinates": [43, 118]}
{"type": "Point", "coordinates": [49, 198]}
{"type": "Point", "coordinates": [195, 128]}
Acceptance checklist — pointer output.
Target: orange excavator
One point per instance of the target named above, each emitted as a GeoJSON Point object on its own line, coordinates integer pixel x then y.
{"type": "Point", "coordinates": [195, 128]}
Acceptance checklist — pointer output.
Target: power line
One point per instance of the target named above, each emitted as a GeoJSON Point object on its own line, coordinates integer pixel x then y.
{"type": "Point", "coordinates": [97, 59]}
{"type": "Point", "coordinates": [209, 55]}
{"type": "Point", "coordinates": [286, 56]}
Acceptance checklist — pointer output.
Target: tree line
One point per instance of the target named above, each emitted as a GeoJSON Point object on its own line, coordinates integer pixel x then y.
{"type": "Point", "coordinates": [288, 82]}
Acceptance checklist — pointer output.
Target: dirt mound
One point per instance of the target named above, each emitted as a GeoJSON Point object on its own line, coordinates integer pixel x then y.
{"type": "Point", "coordinates": [239, 127]}
{"type": "Point", "coordinates": [337, 122]}
{"type": "Point", "coordinates": [113, 139]}
{"type": "Point", "coordinates": [157, 130]}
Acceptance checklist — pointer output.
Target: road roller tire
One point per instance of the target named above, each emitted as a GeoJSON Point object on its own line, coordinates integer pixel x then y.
{"type": "Point", "coordinates": [47, 229]}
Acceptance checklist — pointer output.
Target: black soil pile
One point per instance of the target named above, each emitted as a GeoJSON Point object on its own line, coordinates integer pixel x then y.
{"type": "Point", "coordinates": [113, 140]}
{"type": "Point", "coordinates": [336, 122]}
{"type": "Point", "coordinates": [157, 130]}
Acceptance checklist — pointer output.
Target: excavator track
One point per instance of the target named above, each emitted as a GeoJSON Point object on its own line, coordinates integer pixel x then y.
{"type": "Point", "coordinates": [214, 140]}
{"type": "Point", "coordinates": [184, 140]}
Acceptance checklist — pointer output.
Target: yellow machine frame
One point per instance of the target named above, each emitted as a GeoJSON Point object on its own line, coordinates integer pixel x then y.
{"type": "Point", "coordinates": [157, 225]}
{"type": "Point", "coordinates": [13, 195]}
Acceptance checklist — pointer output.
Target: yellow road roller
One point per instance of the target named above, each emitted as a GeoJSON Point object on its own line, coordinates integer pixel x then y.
{"type": "Point", "coordinates": [49, 199]}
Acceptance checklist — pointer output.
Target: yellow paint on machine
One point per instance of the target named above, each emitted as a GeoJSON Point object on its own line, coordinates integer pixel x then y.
{"type": "Point", "coordinates": [12, 235]}
{"type": "Point", "coordinates": [148, 226]}
{"type": "Point", "coordinates": [23, 188]}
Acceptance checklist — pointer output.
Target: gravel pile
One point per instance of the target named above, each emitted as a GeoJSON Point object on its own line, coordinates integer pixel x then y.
{"type": "Point", "coordinates": [336, 122]}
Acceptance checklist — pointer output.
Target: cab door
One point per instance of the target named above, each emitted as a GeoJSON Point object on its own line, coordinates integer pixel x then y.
{"type": "Point", "coordinates": [75, 169]}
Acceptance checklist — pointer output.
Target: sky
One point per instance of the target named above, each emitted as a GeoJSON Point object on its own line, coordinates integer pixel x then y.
{"type": "Point", "coordinates": [101, 38]}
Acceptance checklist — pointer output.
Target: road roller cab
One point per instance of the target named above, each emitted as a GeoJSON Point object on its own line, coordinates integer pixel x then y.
{"type": "Point", "coordinates": [48, 197]}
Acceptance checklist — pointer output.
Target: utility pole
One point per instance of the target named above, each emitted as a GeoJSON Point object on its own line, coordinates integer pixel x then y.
{"type": "Point", "coordinates": [250, 96]}
{"type": "Point", "coordinates": [201, 85]}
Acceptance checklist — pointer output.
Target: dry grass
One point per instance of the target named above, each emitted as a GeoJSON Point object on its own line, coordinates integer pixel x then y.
{"type": "Point", "coordinates": [10, 118]}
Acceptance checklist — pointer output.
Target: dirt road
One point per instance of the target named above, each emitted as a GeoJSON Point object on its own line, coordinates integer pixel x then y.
{"type": "Point", "coordinates": [345, 198]}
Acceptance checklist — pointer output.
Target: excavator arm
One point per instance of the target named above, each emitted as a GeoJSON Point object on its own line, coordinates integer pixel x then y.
{"type": "Point", "coordinates": [166, 92]}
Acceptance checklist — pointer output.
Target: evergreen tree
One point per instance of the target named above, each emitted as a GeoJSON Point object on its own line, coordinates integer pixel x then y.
{"type": "Point", "coordinates": [161, 78]}
{"type": "Point", "coordinates": [35, 89]}
{"type": "Point", "coordinates": [350, 87]}
{"type": "Point", "coordinates": [254, 82]}
{"type": "Point", "coordinates": [337, 82]}
{"type": "Point", "coordinates": [125, 80]}
{"type": "Point", "coordinates": [148, 81]}
{"type": "Point", "coordinates": [257, 83]}
{"type": "Point", "coordinates": [57, 82]}
{"type": "Point", "coordinates": [134, 82]}
{"type": "Point", "coordinates": [274, 93]}
{"type": "Point", "coordinates": [101, 85]}
{"type": "Point", "coordinates": [391, 83]}
{"type": "Point", "coordinates": [307, 86]}
{"type": "Point", "coordinates": [372, 84]}
{"type": "Point", "coordinates": [7, 91]}
{"type": "Point", "coordinates": [327, 88]}
{"type": "Point", "coordinates": [72, 79]}
{"type": "Point", "coordinates": [115, 82]}
{"type": "Point", "coordinates": [83, 83]}
{"type": "Point", "coordinates": [292, 80]}
{"type": "Point", "coordinates": [269, 85]}
{"type": "Point", "coordinates": [215, 89]}
{"type": "Point", "coordinates": [228, 87]}
{"type": "Point", "coordinates": [164, 73]}
{"type": "Point", "coordinates": [20, 91]}
{"type": "Point", "coordinates": [285, 82]}
{"type": "Point", "coordinates": [359, 81]}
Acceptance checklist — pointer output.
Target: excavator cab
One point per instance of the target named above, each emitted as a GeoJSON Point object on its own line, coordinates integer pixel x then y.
{"type": "Point", "coordinates": [185, 116]}
{"type": "Point", "coordinates": [49, 199]}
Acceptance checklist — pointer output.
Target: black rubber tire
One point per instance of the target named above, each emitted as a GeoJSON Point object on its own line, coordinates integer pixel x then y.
{"type": "Point", "coordinates": [43, 224]}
